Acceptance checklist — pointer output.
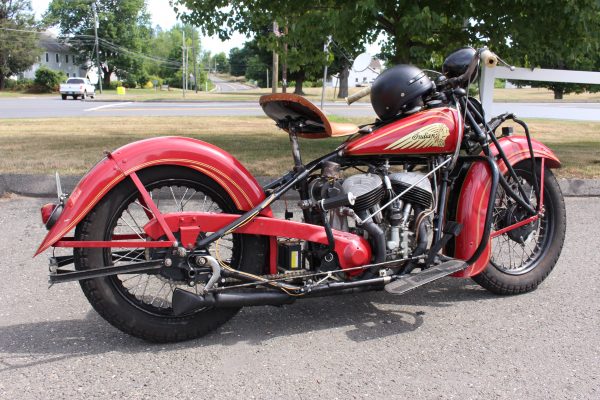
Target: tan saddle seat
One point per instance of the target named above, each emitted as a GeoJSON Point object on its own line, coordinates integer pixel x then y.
{"type": "Point", "coordinates": [290, 110]}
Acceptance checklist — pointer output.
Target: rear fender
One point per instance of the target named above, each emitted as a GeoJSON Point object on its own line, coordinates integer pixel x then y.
{"type": "Point", "coordinates": [212, 161]}
{"type": "Point", "coordinates": [470, 205]}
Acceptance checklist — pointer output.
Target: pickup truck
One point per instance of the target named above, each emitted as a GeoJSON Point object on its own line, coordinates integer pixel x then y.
{"type": "Point", "coordinates": [77, 87]}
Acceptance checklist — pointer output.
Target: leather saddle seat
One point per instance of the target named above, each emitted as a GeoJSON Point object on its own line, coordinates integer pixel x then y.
{"type": "Point", "coordinates": [291, 111]}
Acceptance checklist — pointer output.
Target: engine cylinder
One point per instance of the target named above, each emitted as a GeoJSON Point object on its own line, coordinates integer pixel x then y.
{"type": "Point", "coordinates": [367, 188]}
{"type": "Point", "coordinates": [421, 194]}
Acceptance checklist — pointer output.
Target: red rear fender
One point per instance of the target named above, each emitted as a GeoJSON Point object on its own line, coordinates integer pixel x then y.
{"type": "Point", "coordinates": [474, 194]}
{"type": "Point", "coordinates": [221, 166]}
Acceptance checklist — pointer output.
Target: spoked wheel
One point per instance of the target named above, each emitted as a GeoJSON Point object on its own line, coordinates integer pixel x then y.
{"type": "Point", "coordinates": [140, 304]}
{"type": "Point", "coordinates": [522, 258]}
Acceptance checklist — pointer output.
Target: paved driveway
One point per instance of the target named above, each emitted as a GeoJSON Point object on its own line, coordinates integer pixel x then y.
{"type": "Point", "coordinates": [447, 340]}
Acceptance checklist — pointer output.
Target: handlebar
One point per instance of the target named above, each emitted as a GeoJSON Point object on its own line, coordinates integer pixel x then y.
{"type": "Point", "coordinates": [358, 95]}
{"type": "Point", "coordinates": [488, 58]}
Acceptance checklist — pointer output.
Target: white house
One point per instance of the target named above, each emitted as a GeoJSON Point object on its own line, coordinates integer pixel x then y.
{"type": "Point", "coordinates": [57, 56]}
{"type": "Point", "coordinates": [362, 78]}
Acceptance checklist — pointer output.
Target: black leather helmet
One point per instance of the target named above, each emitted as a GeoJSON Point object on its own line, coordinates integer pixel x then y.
{"type": "Point", "coordinates": [399, 89]}
{"type": "Point", "coordinates": [457, 63]}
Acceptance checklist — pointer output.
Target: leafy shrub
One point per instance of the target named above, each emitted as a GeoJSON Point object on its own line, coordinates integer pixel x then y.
{"type": "Point", "coordinates": [130, 82]}
{"type": "Point", "coordinates": [47, 80]}
{"type": "Point", "coordinates": [21, 85]}
{"type": "Point", "coordinates": [115, 84]}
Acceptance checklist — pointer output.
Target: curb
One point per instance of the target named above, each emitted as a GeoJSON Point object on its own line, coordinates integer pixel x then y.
{"type": "Point", "coordinates": [45, 186]}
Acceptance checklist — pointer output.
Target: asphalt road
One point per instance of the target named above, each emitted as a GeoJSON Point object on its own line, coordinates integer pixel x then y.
{"type": "Point", "coordinates": [226, 86]}
{"type": "Point", "coordinates": [448, 340]}
{"type": "Point", "coordinates": [51, 108]}
{"type": "Point", "coordinates": [45, 107]}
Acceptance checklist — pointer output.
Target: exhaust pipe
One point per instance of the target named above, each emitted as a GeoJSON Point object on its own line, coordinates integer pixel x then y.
{"type": "Point", "coordinates": [185, 302]}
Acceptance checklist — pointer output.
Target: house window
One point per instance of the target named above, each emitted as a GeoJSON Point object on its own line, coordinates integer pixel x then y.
{"type": "Point", "coordinates": [47, 58]}
{"type": "Point", "coordinates": [66, 58]}
{"type": "Point", "coordinates": [57, 59]}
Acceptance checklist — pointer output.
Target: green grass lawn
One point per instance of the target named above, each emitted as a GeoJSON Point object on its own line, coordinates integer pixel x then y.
{"type": "Point", "coordinates": [60, 144]}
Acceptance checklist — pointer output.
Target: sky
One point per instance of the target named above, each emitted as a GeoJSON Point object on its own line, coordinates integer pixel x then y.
{"type": "Point", "coordinates": [162, 14]}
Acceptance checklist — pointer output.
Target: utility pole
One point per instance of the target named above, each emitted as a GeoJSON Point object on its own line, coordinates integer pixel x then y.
{"type": "Point", "coordinates": [194, 59]}
{"type": "Point", "coordinates": [325, 49]}
{"type": "Point", "coordinates": [183, 63]}
{"type": "Point", "coordinates": [275, 62]}
{"type": "Point", "coordinates": [96, 25]}
{"type": "Point", "coordinates": [267, 78]}
{"type": "Point", "coordinates": [284, 66]}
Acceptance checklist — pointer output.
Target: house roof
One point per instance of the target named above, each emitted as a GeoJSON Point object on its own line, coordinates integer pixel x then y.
{"type": "Point", "coordinates": [52, 44]}
{"type": "Point", "coordinates": [375, 64]}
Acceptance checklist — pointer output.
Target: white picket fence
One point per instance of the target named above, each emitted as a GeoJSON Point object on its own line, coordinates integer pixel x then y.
{"type": "Point", "coordinates": [539, 74]}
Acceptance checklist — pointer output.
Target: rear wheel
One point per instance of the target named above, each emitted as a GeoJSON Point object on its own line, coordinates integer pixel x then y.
{"type": "Point", "coordinates": [522, 258]}
{"type": "Point", "coordinates": [64, 96]}
{"type": "Point", "coordinates": [140, 304]}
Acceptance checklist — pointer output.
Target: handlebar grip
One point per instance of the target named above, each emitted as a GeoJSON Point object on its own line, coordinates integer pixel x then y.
{"type": "Point", "coordinates": [342, 200]}
{"type": "Point", "coordinates": [489, 59]}
{"type": "Point", "coordinates": [358, 95]}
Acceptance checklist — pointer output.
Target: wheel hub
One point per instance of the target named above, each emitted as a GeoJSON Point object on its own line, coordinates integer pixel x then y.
{"type": "Point", "coordinates": [516, 214]}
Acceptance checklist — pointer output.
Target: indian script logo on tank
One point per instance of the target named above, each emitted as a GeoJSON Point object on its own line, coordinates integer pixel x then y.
{"type": "Point", "coordinates": [433, 135]}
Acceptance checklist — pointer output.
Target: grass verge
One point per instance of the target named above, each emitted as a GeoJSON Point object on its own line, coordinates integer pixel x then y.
{"type": "Point", "coordinates": [73, 145]}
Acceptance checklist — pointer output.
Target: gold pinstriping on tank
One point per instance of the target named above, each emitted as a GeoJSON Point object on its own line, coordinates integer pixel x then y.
{"type": "Point", "coordinates": [440, 114]}
{"type": "Point", "coordinates": [433, 135]}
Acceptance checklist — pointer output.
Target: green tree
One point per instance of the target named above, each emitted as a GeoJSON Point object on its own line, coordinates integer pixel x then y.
{"type": "Point", "coordinates": [18, 50]}
{"type": "Point", "coordinates": [124, 27]}
{"type": "Point", "coordinates": [558, 34]}
{"type": "Point", "coordinates": [220, 63]}
{"type": "Point", "coordinates": [238, 59]}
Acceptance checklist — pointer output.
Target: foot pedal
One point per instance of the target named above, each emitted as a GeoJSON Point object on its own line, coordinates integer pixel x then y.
{"type": "Point", "coordinates": [410, 282]}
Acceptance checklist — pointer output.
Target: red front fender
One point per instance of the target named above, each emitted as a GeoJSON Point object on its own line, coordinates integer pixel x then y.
{"type": "Point", "coordinates": [474, 194]}
{"type": "Point", "coordinates": [171, 150]}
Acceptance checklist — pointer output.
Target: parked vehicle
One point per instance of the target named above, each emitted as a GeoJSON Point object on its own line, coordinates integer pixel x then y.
{"type": "Point", "coordinates": [77, 87]}
{"type": "Point", "coordinates": [173, 235]}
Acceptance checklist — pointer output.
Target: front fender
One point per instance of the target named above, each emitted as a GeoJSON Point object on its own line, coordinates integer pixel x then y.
{"type": "Point", "coordinates": [212, 161]}
{"type": "Point", "coordinates": [471, 199]}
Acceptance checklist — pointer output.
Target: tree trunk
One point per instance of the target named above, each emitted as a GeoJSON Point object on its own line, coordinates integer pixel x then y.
{"type": "Point", "coordinates": [343, 82]}
{"type": "Point", "coordinates": [106, 79]}
{"type": "Point", "coordinates": [2, 81]}
{"type": "Point", "coordinates": [300, 76]}
{"type": "Point", "coordinates": [558, 94]}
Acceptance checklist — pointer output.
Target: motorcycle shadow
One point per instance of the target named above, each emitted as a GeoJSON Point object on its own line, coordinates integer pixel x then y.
{"type": "Point", "coordinates": [361, 317]}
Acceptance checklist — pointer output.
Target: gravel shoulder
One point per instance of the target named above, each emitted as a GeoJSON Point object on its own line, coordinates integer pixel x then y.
{"type": "Point", "coordinates": [450, 339]}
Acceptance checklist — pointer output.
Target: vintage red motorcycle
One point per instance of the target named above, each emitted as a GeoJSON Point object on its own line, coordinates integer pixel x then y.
{"type": "Point", "coordinates": [173, 235]}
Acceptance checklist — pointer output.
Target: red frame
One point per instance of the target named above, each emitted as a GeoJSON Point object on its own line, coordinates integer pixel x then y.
{"type": "Point", "coordinates": [247, 193]}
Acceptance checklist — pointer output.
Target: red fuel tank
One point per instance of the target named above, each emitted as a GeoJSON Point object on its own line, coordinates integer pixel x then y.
{"type": "Point", "coordinates": [433, 131]}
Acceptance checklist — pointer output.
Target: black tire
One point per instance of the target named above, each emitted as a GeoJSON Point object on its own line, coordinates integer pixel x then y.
{"type": "Point", "coordinates": [547, 235]}
{"type": "Point", "coordinates": [117, 303]}
{"type": "Point", "coordinates": [64, 96]}
{"type": "Point", "coordinates": [75, 97]}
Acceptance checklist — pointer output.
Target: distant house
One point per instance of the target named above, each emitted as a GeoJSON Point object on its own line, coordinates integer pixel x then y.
{"type": "Point", "coordinates": [362, 78]}
{"type": "Point", "coordinates": [57, 56]}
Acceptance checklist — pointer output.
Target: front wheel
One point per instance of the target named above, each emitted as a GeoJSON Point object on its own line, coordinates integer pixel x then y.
{"type": "Point", "coordinates": [140, 304]}
{"type": "Point", "coordinates": [522, 258]}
